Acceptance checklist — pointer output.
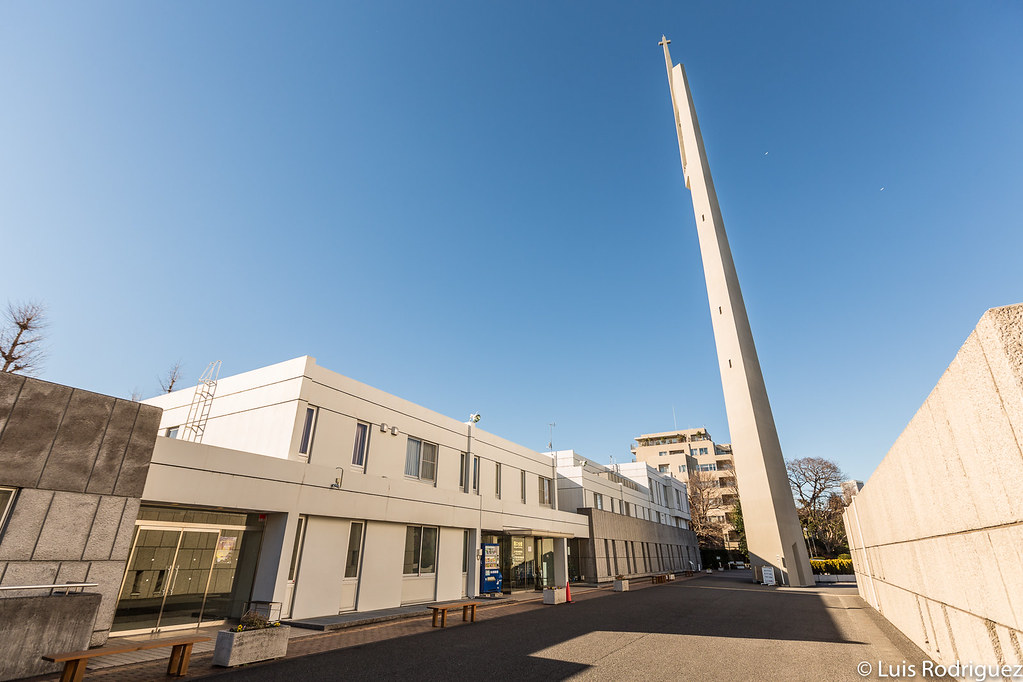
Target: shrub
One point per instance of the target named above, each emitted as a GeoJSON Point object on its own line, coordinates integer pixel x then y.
{"type": "Point", "coordinates": [253, 620]}
{"type": "Point", "coordinates": [847, 557]}
{"type": "Point", "coordinates": [831, 566]}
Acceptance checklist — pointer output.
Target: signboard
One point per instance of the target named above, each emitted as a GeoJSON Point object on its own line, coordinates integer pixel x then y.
{"type": "Point", "coordinates": [490, 570]}
{"type": "Point", "coordinates": [768, 575]}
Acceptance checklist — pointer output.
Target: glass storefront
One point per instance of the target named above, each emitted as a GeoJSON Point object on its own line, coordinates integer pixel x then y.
{"type": "Point", "coordinates": [527, 562]}
{"type": "Point", "coordinates": [187, 567]}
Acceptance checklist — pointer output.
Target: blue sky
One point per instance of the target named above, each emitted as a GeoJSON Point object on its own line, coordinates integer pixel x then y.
{"type": "Point", "coordinates": [479, 206]}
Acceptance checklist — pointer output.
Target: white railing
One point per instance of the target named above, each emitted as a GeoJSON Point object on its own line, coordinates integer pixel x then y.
{"type": "Point", "coordinates": [65, 588]}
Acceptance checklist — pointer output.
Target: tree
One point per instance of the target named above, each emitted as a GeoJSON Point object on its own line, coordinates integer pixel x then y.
{"type": "Point", "coordinates": [735, 518]}
{"type": "Point", "coordinates": [816, 486]}
{"type": "Point", "coordinates": [173, 375]}
{"type": "Point", "coordinates": [705, 497]}
{"type": "Point", "coordinates": [21, 338]}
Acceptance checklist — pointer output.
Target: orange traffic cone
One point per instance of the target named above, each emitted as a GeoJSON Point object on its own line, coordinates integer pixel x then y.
{"type": "Point", "coordinates": [568, 593]}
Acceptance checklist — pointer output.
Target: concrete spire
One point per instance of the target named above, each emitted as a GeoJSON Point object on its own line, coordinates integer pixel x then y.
{"type": "Point", "coordinates": [773, 533]}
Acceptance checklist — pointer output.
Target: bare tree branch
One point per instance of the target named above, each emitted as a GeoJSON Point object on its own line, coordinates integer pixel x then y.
{"type": "Point", "coordinates": [21, 338]}
{"type": "Point", "coordinates": [173, 375]}
{"type": "Point", "coordinates": [816, 484]}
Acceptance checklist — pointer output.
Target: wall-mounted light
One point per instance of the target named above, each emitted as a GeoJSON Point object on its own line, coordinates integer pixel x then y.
{"type": "Point", "coordinates": [383, 427]}
{"type": "Point", "coordinates": [394, 430]}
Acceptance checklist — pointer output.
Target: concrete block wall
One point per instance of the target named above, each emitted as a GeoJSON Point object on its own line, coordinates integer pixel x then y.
{"type": "Point", "coordinates": [78, 461]}
{"type": "Point", "coordinates": [676, 546]}
{"type": "Point", "coordinates": [937, 531]}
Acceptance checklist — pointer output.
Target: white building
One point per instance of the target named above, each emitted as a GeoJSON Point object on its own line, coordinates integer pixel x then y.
{"type": "Point", "coordinates": [327, 495]}
{"type": "Point", "coordinates": [638, 519]}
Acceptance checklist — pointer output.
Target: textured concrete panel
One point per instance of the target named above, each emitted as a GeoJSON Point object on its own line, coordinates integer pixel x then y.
{"type": "Point", "coordinates": [937, 532]}
{"type": "Point", "coordinates": [77, 443]}
{"type": "Point", "coordinates": [31, 627]}
{"type": "Point", "coordinates": [113, 447]}
{"type": "Point", "coordinates": [125, 530]}
{"type": "Point", "coordinates": [132, 478]}
{"type": "Point", "coordinates": [30, 430]}
{"type": "Point", "coordinates": [104, 529]}
{"type": "Point", "coordinates": [108, 574]}
{"type": "Point", "coordinates": [66, 528]}
{"type": "Point", "coordinates": [29, 573]}
{"type": "Point", "coordinates": [72, 572]}
{"type": "Point", "coordinates": [10, 387]}
{"type": "Point", "coordinates": [19, 540]}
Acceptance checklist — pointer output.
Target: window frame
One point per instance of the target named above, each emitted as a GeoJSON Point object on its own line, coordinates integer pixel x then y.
{"type": "Point", "coordinates": [361, 454]}
{"type": "Point", "coordinates": [418, 551]}
{"type": "Point", "coordinates": [421, 460]}
{"type": "Point", "coordinates": [172, 431]}
{"type": "Point", "coordinates": [476, 466]}
{"type": "Point", "coordinates": [497, 480]}
{"type": "Point", "coordinates": [544, 490]}
{"type": "Point", "coordinates": [358, 556]}
{"type": "Point", "coordinates": [305, 442]}
{"type": "Point", "coordinates": [598, 501]}
{"type": "Point", "coordinates": [523, 486]}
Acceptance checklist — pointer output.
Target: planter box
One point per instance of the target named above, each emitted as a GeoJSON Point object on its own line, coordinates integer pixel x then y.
{"type": "Point", "coordinates": [238, 648]}
{"type": "Point", "coordinates": [621, 586]}
{"type": "Point", "coordinates": [555, 596]}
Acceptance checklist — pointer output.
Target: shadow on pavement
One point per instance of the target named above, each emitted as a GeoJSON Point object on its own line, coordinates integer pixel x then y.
{"type": "Point", "coordinates": [722, 605]}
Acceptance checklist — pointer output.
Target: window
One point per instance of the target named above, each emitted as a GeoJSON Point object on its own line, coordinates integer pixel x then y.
{"type": "Point", "coordinates": [6, 504]}
{"type": "Point", "coordinates": [662, 453]}
{"type": "Point", "coordinates": [361, 444]}
{"type": "Point", "coordinates": [703, 451]}
{"type": "Point", "coordinates": [420, 550]}
{"type": "Point", "coordinates": [305, 447]}
{"type": "Point", "coordinates": [463, 471]}
{"type": "Point", "coordinates": [523, 486]}
{"type": "Point", "coordinates": [497, 481]}
{"type": "Point", "coordinates": [598, 500]}
{"type": "Point", "coordinates": [681, 468]}
{"type": "Point", "coordinates": [172, 432]}
{"type": "Point", "coordinates": [421, 460]}
{"type": "Point", "coordinates": [663, 468]}
{"type": "Point", "coordinates": [354, 550]}
{"type": "Point", "coordinates": [545, 491]}
{"type": "Point", "coordinates": [476, 474]}
{"type": "Point", "coordinates": [296, 551]}
{"type": "Point", "coordinates": [625, 508]}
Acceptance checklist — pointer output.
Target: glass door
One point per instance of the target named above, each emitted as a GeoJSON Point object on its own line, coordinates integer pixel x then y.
{"type": "Point", "coordinates": [166, 579]}
{"type": "Point", "coordinates": [186, 593]}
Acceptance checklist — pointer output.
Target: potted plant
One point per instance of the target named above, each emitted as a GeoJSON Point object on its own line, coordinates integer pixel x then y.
{"type": "Point", "coordinates": [554, 595]}
{"type": "Point", "coordinates": [621, 584]}
{"type": "Point", "coordinates": [256, 638]}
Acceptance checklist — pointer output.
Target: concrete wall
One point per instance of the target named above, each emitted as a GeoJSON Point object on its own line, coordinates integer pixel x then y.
{"type": "Point", "coordinates": [937, 531]}
{"type": "Point", "coordinates": [44, 625]}
{"type": "Point", "coordinates": [78, 461]}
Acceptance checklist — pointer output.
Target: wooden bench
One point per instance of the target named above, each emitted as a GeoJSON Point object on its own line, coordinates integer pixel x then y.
{"type": "Point", "coordinates": [75, 661]}
{"type": "Point", "coordinates": [467, 608]}
{"type": "Point", "coordinates": [662, 578]}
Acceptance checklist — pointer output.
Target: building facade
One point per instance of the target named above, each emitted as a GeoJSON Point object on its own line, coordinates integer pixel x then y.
{"type": "Point", "coordinates": [693, 456]}
{"type": "Point", "coordinates": [320, 495]}
{"type": "Point", "coordinates": [638, 519]}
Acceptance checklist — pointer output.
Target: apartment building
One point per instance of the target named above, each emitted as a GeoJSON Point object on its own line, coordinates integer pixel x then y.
{"type": "Point", "coordinates": [320, 494]}
{"type": "Point", "coordinates": [693, 456]}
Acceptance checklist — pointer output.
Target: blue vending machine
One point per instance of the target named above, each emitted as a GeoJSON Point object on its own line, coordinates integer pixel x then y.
{"type": "Point", "coordinates": [490, 570]}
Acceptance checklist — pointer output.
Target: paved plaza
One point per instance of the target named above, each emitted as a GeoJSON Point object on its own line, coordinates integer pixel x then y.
{"type": "Point", "coordinates": [719, 626]}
